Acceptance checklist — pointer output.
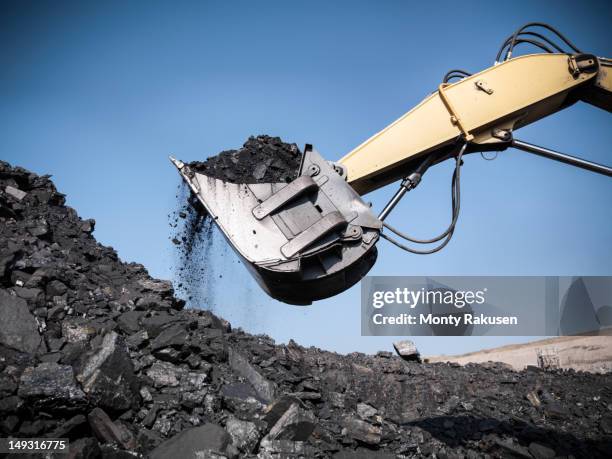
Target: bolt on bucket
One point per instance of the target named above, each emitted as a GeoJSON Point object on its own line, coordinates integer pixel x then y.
{"type": "Point", "coordinates": [303, 241]}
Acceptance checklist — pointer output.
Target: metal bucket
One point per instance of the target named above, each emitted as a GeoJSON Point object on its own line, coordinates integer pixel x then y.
{"type": "Point", "coordinates": [303, 241]}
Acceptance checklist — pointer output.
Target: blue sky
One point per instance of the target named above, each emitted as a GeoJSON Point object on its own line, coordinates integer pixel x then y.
{"type": "Point", "coordinates": [99, 93]}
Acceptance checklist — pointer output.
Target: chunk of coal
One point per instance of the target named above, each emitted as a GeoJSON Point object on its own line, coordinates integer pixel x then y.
{"type": "Point", "coordinates": [18, 328]}
{"type": "Point", "coordinates": [407, 350]}
{"type": "Point", "coordinates": [15, 192]}
{"type": "Point", "coordinates": [265, 389]}
{"type": "Point", "coordinates": [362, 431]}
{"type": "Point", "coordinates": [208, 440]}
{"type": "Point", "coordinates": [108, 432]}
{"type": "Point", "coordinates": [245, 434]}
{"type": "Point", "coordinates": [295, 424]}
{"type": "Point", "coordinates": [107, 375]}
{"type": "Point", "coordinates": [50, 384]}
{"type": "Point", "coordinates": [261, 159]}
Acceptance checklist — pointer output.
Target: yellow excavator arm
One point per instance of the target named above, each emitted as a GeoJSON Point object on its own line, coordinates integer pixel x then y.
{"type": "Point", "coordinates": [315, 236]}
{"type": "Point", "coordinates": [483, 109]}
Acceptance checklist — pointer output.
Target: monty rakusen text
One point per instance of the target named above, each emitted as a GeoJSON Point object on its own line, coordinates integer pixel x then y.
{"type": "Point", "coordinates": [453, 301]}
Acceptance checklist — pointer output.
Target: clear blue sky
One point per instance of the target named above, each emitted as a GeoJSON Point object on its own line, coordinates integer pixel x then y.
{"type": "Point", "coordinates": [99, 93]}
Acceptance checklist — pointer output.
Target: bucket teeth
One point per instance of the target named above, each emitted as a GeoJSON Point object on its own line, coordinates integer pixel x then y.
{"type": "Point", "coordinates": [177, 162]}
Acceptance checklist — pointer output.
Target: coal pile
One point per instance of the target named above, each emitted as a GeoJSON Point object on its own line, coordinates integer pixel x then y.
{"type": "Point", "coordinates": [262, 159]}
{"type": "Point", "coordinates": [95, 350]}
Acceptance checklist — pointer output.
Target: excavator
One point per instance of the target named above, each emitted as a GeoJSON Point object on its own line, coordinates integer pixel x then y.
{"type": "Point", "coordinates": [315, 236]}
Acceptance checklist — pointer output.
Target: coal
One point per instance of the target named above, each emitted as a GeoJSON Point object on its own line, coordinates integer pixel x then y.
{"type": "Point", "coordinates": [407, 350]}
{"type": "Point", "coordinates": [18, 328]}
{"type": "Point", "coordinates": [122, 369]}
{"type": "Point", "coordinates": [107, 374]}
{"type": "Point", "coordinates": [209, 440]}
{"type": "Point", "coordinates": [50, 384]}
{"type": "Point", "coordinates": [262, 159]}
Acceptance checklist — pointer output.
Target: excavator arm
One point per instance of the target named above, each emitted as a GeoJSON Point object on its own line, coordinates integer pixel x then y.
{"type": "Point", "coordinates": [483, 109]}
{"type": "Point", "coordinates": [315, 237]}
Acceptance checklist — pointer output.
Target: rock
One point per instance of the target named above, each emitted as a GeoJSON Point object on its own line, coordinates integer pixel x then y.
{"type": "Point", "coordinates": [88, 226]}
{"type": "Point", "coordinates": [164, 374]}
{"type": "Point", "coordinates": [108, 432]}
{"type": "Point", "coordinates": [33, 296]}
{"type": "Point", "coordinates": [148, 440]}
{"type": "Point", "coordinates": [296, 424]}
{"type": "Point", "coordinates": [606, 424]}
{"type": "Point", "coordinates": [407, 350]}
{"type": "Point", "coordinates": [151, 416]}
{"type": "Point", "coordinates": [534, 399]}
{"type": "Point", "coordinates": [18, 328]}
{"type": "Point", "coordinates": [154, 324]}
{"type": "Point", "coordinates": [173, 336]}
{"type": "Point", "coordinates": [72, 428]}
{"type": "Point", "coordinates": [128, 322]}
{"type": "Point", "coordinates": [107, 375]}
{"type": "Point", "coordinates": [556, 409]}
{"type": "Point", "coordinates": [512, 448]}
{"type": "Point", "coordinates": [264, 388]}
{"type": "Point", "coordinates": [9, 424]}
{"type": "Point", "coordinates": [84, 448]}
{"type": "Point", "coordinates": [306, 395]}
{"type": "Point", "coordinates": [384, 354]}
{"type": "Point", "coordinates": [284, 449]}
{"type": "Point", "coordinates": [160, 287]}
{"type": "Point", "coordinates": [15, 192]}
{"type": "Point", "coordinates": [336, 400]}
{"type": "Point", "coordinates": [56, 288]}
{"type": "Point", "coordinates": [77, 330]}
{"type": "Point", "coordinates": [137, 340]}
{"type": "Point", "coordinates": [241, 398]}
{"type": "Point", "coordinates": [245, 434]}
{"type": "Point", "coordinates": [197, 443]}
{"type": "Point", "coordinates": [193, 399]}
{"type": "Point", "coordinates": [362, 431]}
{"type": "Point", "coordinates": [11, 404]}
{"type": "Point", "coordinates": [539, 451]}
{"type": "Point", "coordinates": [276, 409]}
{"type": "Point", "coordinates": [50, 384]}
{"type": "Point", "coordinates": [365, 411]}
{"type": "Point", "coordinates": [168, 354]}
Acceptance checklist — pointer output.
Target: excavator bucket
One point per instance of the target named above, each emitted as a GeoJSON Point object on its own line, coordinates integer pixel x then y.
{"type": "Point", "coordinates": [303, 241]}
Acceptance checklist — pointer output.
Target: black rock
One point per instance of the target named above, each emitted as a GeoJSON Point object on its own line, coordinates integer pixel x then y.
{"type": "Point", "coordinates": [265, 389]}
{"type": "Point", "coordinates": [295, 424]}
{"type": "Point", "coordinates": [18, 328]}
{"type": "Point", "coordinates": [109, 432]}
{"type": "Point", "coordinates": [172, 336]}
{"type": "Point", "coordinates": [195, 443]}
{"type": "Point", "coordinates": [84, 448]}
{"type": "Point", "coordinates": [128, 322]}
{"type": "Point", "coordinates": [51, 385]}
{"type": "Point", "coordinates": [362, 431]}
{"type": "Point", "coordinates": [107, 374]}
